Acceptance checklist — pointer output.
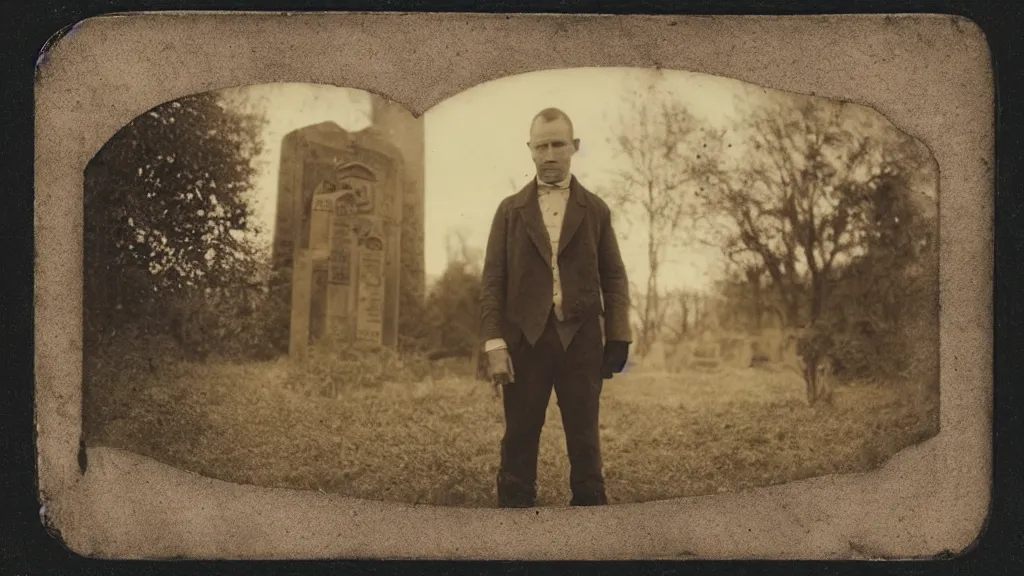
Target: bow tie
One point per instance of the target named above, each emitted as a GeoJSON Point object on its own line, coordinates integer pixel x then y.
{"type": "Point", "coordinates": [545, 188]}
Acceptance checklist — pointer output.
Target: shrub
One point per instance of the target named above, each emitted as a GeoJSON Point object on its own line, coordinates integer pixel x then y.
{"type": "Point", "coordinates": [239, 322]}
{"type": "Point", "coordinates": [445, 323]}
{"type": "Point", "coordinates": [453, 309]}
{"type": "Point", "coordinates": [865, 351]}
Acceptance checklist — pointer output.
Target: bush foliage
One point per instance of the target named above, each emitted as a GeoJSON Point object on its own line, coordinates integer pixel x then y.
{"type": "Point", "coordinates": [170, 242]}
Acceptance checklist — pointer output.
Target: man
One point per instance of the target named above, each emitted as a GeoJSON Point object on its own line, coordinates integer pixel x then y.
{"type": "Point", "coordinates": [554, 314]}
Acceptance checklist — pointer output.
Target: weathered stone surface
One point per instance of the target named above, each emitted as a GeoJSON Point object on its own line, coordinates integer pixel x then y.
{"type": "Point", "coordinates": [340, 226]}
{"type": "Point", "coordinates": [301, 295]}
{"type": "Point", "coordinates": [406, 132]}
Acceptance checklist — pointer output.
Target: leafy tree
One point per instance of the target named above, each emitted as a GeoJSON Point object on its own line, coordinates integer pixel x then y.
{"type": "Point", "coordinates": [885, 301]}
{"type": "Point", "coordinates": [446, 324]}
{"type": "Point", "coordinates": [453, 311]}
{"type": "Point", "coordinates": [167, 220]}
{"type": "Point", "coordinates": [812, 193]}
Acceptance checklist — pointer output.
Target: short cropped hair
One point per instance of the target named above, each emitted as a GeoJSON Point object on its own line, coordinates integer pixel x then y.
{"type": "Point", "coordinates": [552, 114]}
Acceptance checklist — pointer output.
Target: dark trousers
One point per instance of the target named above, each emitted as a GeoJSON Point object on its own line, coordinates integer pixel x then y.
{"type": "Point", "coordinates": [575, 376]}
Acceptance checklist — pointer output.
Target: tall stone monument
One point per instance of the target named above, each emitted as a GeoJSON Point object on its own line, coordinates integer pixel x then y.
{"type": "Point", "coordinates": [340, 225]}
{"type": "Point", "coordinates": [406, 132]}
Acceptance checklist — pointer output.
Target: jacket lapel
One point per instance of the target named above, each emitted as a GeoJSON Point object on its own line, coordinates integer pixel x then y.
{"type": "Point", "coordinates": [529, 209]}
{"type": "Point", "coordinates": [574, 212]}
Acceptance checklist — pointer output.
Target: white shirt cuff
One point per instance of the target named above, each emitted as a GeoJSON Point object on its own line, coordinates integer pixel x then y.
{"type": "Point", "coordinates": [494, 344]}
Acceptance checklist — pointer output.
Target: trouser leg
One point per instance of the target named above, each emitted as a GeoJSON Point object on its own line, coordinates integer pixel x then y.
{"type": "Point", "coordinates": [525, 403]}
{"type": "Point", "coordinates": [578, 385]}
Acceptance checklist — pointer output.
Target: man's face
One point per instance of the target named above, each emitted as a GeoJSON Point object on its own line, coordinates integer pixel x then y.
{"type": "Point", "coordinates": [552, 146]}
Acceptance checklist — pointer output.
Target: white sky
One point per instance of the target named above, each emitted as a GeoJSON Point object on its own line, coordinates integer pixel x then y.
{"type": "Point", "coordinates": [476, 153]}
{"type": "Point", "coordinates": [476, 150]}
{"type": "Point", "coordinates": [288, 107]}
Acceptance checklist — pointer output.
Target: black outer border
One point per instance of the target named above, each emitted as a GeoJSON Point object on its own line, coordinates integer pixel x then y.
{"type": "Point", "coordinates": [26, 547]}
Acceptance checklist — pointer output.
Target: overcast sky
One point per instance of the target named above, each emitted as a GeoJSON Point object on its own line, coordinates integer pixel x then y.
{"type": "Point", "coordinates": [476, 150]}
{"type": "Point", "coordinates": [477, 153]}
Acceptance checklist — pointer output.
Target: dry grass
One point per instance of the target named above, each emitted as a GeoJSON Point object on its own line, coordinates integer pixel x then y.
{"type": "Point", "coordinates": [436, 442]}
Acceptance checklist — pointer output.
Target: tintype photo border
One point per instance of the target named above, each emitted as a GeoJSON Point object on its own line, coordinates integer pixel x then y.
{"type": "Point", "coordinates": [106, 71]}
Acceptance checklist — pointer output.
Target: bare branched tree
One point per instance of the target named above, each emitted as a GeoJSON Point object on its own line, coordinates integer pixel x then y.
{"type": "Point", "coordinates": [659, 142]}
{"type": "Point", "coordinates": [683, 315]}
{"type": "Point", "coordinates": [799, 200]}
{"type": "Point", "coordinates": [460, 251]}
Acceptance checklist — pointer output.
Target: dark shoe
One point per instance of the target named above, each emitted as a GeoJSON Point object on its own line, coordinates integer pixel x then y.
{"type": "Point", "coordinates": [512, 503]}
{"type": "Point", "coordinates": [513, 493]}
{"type": "Point", "coordinates": [589, 499]}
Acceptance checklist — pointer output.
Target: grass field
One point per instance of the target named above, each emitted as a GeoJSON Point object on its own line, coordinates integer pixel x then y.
{"type": "Point", "coordinates": [436, 442]}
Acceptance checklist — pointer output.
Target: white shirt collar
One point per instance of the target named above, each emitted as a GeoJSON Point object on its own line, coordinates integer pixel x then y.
{"type": "Point", "coordinates": [563, 185]}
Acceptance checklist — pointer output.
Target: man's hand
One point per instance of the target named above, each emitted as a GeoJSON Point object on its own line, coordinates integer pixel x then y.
{"type": "Point", "coordinates": [615, 355]}
{"type": "Point", "coordinates": [500, 367]}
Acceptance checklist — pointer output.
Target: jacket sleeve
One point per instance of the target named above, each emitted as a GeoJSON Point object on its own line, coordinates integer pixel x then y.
{"type": "Point", "coordinates": [614, 283]}
{"type": "Point", "coordinates": [492, 288]}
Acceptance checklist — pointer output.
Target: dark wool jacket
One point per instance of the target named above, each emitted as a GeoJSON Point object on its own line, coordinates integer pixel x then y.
{"type": "Point", "coordinates": [516, 295]}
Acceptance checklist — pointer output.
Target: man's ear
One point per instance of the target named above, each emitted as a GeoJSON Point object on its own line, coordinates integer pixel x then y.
{"type": "Point", "coordinates": [576, 144]}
